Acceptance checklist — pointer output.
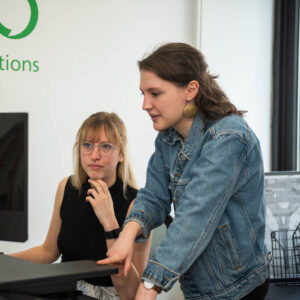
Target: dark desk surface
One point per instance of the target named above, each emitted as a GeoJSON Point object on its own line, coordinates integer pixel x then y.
{"type": "Point", "coordinates": [22, 276]}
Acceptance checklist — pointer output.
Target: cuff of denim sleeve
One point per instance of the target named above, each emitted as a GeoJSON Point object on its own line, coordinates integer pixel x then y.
{"type": "Point", "coordinates": [141, 219]}
{"type": "Point", "coordinates": [160, 275]}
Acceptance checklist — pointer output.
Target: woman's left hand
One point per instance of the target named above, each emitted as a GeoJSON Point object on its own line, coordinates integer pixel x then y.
{"type": "Point", "coordinates": [101, 201]}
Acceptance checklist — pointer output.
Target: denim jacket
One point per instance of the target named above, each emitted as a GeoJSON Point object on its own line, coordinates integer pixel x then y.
{"type": "Point", "coordinates": [215, 180]}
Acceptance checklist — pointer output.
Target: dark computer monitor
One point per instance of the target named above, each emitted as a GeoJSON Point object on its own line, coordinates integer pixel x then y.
{"type": "Point", "coordinates": [14, 177]}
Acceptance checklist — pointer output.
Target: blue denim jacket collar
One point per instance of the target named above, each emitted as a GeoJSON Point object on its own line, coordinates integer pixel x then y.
{"type": "Point", "coordinates": [171, 136]}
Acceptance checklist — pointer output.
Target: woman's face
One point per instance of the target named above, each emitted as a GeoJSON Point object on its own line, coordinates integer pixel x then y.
{"type": "Point", "coordinates": [164, 101]}
{"type": "Point", "coordinates": [99, 166]}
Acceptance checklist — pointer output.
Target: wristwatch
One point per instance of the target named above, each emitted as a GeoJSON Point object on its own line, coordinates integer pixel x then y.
{"type": "Point", "coordinates": [151, 286]}
{"type": "Point", "coordinates": [114, 234]}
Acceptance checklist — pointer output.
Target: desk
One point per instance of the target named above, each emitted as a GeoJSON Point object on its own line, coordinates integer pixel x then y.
{"type": "Point", "coordinates": [23, 277]}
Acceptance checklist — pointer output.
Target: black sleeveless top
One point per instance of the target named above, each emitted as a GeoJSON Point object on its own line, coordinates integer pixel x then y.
{"type": "Point", "coordinates": [81, 235]}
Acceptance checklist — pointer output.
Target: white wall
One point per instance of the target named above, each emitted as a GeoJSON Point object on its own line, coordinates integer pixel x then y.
{"type": "Point", "coordinates": [236, 38]}
{"type": "Point", "coordinates": [87, 53]}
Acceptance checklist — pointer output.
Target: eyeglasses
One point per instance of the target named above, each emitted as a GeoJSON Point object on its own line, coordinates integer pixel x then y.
{"type": "Point", "coordinates": [103, 148]}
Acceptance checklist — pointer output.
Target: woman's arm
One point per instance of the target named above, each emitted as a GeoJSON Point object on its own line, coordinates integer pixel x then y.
{"type": "Point", "coordinates": [121, 253]}
{"type": "Point", "coordinates": [127, 286]}
{"type": "Point", "coordinates": [47, 252]}
{"type": "Point", "coordinates": [103, 207]}
{"type": "Point", "coordinates": [139, 224]}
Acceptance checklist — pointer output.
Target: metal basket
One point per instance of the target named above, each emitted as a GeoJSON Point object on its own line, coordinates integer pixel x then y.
{"type": "Point", "coordinates": [285, 266]}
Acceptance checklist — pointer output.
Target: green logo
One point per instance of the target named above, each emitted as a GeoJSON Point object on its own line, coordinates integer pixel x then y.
{"type": "Point", "coordinates": [29, 28]}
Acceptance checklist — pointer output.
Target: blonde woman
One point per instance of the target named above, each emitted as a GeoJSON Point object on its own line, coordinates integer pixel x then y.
{"type": "Point", "coordinates": [91, 205]}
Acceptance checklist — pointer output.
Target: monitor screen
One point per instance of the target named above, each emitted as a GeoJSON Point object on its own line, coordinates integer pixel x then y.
{"type": "Point", "coordinates": [13, 176]}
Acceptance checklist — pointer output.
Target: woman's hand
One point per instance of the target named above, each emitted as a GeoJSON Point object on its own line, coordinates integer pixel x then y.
{"type": "Point", "coordinates": [101, 201]}
{"type": "Point", "coordinates": [121, 251]}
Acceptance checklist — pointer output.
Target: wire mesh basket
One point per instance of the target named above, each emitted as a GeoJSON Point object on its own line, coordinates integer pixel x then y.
{"type": "Point", "coordinates": [285, 266]}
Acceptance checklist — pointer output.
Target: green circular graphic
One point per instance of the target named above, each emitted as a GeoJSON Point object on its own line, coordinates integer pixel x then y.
{"type": "Point", "coordinates": [29, 28]}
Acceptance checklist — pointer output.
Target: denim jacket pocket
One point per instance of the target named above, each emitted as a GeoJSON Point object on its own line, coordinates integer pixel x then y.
{"type": "Point", "coordinates": [230, 247]}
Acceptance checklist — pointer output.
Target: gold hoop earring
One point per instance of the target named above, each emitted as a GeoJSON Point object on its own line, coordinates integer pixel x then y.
{"type": "Point", "coordinates": [190, 111]}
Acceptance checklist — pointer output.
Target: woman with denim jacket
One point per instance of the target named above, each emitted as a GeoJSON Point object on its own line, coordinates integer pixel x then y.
{"type": "Point", "coordinates": [208, 164]}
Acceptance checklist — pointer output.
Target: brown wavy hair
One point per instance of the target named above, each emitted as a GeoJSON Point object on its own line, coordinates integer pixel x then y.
{"type": "Point", "coordinates": [116, 132]}
{"type": "Point", "coordinates": [181, 63]}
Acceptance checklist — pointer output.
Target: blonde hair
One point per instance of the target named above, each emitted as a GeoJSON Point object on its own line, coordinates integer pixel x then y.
{"type": "Point", "coordinates": [116, 132]}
